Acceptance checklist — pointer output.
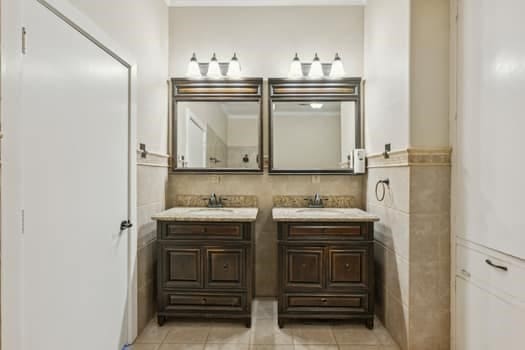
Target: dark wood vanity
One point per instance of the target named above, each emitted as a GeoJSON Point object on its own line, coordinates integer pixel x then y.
{"type": "Point", "coordinates": [326, 270]}
{"type": "Point", "coordinates": [205, 269]}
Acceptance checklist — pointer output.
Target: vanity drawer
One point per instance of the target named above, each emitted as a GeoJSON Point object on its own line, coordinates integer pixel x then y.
{"type": "Point", "coordinates": [349, 302]}
{"type": "Point", "coordinates": [321, 231]}
{"type": "Point", "coordinates": [197, 231]}
{"type": "Point", "coordinates": [205, 301]}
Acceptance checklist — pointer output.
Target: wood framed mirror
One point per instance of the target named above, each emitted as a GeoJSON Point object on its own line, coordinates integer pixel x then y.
{"type": "Point", "coordinates": [315, 125]}
{"type": "Point", "coordinates": [217, 125]}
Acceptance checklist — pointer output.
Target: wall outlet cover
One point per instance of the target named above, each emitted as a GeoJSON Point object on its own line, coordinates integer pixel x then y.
{"type": "Point", "coordinates": [215, 179]}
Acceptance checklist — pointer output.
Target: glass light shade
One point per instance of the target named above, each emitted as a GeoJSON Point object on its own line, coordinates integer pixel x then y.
{"type": "Point", "coordinates": [234, 68]}
{"type": "Point", "coordinates": [194, 70]}
{"type": "Point", "coordinates": [338, 70]}
{"type": "Point", "coordinates": [214, 70]}
{"type": "Point", "coordinates": [316, 105]}
{"type": "Point", "coordinates": [296, 69]}
{"type": "Point", "coordinates": [316, 70]}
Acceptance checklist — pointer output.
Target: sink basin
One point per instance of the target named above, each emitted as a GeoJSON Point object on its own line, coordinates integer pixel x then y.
{"type": "Point", "coordinates": [320, 211]}
{"type": "Point", "coordinates": [211, 211]}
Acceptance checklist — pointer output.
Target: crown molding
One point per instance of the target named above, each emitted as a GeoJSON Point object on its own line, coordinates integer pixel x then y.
{"type": "Point", "coordinates": [252, 3]}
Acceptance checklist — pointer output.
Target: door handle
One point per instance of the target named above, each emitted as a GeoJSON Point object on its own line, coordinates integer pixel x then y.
{"type": "Point", "coordinates": [500, 267]}
{"type": "Point", "coordinates": [126, 224]}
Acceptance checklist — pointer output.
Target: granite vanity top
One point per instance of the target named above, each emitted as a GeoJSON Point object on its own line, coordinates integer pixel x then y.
{"type": "Point", "coordinates": [322, 215]}
{"type": "Point", "coordinates": [208, 214]}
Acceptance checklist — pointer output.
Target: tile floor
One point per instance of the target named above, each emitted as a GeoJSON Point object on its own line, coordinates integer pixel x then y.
{"type": "Point", "coordinates": [264, 334]}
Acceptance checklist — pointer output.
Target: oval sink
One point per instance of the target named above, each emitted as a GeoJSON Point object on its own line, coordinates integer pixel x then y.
{"type": "Point", "coordinates": [319, 211]}
{"type": "Point", "coordinates": [211, 211]}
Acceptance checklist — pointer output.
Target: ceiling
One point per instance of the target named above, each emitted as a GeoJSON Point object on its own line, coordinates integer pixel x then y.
{"type": "Point", "coordinates": [211, 3]}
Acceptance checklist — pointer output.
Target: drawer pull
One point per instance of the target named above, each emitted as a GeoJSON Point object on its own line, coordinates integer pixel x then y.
{"type": "Point", "coordinates": [324, 301]}
{"type": "Point", "coordinates": [347, 266]}
{"type": "Point", "coordinates": [226, 266]}
{"type": "Point", "coordinates": [203, 301]}
{"type": "Point", "coordinates": [500, 267]}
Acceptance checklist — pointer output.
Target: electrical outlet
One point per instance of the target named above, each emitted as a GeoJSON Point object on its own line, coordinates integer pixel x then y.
{"type": "Point", "coordinates": [215, 179]}
{"type": "Point", "coordinates": [316, 179]}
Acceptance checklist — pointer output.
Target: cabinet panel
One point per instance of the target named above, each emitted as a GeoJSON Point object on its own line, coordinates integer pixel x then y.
{"type": "Point", "coordinates": [205, 301]}
{"type": "Point", "coordinates": [347, 267]}
{"type": "Point", "coordinates": [328, 303]}
{"type": "Point", "coordinates": [182, 267]}
{"type": "Point", "coordinates": [486, 321]}
{"type": "Point", "coordinates": [304, 268]}
{"type": "Point", "coordinates": [199, 231]}
{"type": "Point", "coordinates": [333, 231]}
{"type": "Point", "coordinates": [225, 267]}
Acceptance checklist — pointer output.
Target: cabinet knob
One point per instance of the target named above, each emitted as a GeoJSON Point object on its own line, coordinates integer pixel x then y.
{"type": "Point", "coordinates": [324, 300]}
{"type": "Point", "coordinates": [303, 266]}
{"type": "Point", "coordinates": [203, 300]}
{"type": "Point", "coordinates": [347, 266]}
{"type": "Point", "coordinates": [226, 266]}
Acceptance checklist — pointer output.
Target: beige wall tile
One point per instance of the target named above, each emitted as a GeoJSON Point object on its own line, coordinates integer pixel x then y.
{"type": "Point", "coordinates": [398, 194]}
{"type": "Point", "coordinates": [151, 182]}
{"type": "Point", "coordinates": [393, 229]}
{"type": "Point", "coordinates": [397, 321]}
{"type": "Point", "coordinates": [398, 277]}
{"type": "Point", "coordinates": [430, 190]}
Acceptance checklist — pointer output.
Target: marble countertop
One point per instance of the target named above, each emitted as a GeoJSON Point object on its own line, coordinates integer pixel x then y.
{"type": "Point", "coordinates": [322, 215]}
{"type": "Point", "coordinates": [208, 214]}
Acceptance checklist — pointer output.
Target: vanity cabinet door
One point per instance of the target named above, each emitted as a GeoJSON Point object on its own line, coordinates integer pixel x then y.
{"type": "Point", "coordinates": [225, 267]}
{"type": "Point", "coordinates": [180, 267]}
{"type": "Point", "coordinates": [347, 267]}
{"type": "Point", "coordinates": [304, 267]}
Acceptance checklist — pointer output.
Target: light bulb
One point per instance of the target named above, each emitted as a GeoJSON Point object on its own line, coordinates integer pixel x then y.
{"type": "Point", "coordinates": [316, 105]}
{"type": "Point", "coordinates": [194, 70]}
{"type": "Point", "coordinates": [338, 70]}
{"type": "Point", "coordinates": [214, 70]}
{"type": "Point", "coordinates": [296, 69]}
{"type": "Point", "coordinates": [316, 70]}
{"type": "Point", "coordinates": [234, 68]}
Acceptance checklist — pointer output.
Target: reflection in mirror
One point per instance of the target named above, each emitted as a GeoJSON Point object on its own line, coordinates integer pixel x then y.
{"type": "Point", "coordinates": [218, 135]}
{"type": "Point", "coordinates": [313, 135]}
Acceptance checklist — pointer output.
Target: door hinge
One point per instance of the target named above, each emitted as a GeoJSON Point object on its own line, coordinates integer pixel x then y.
{"type": "Point", "coordinates": [24, 40]}
{"type": "Point", "coordinates": [23, 218]}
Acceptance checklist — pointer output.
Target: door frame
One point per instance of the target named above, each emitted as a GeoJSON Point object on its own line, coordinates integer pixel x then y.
{"type": "Point", "coordinates": [192, 118]}
{"type": "Point", "coordinates": [11, 208]}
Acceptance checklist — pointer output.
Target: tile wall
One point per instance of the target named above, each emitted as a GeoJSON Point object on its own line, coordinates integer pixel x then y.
{"type": "Point", "coordinates": [152, 179]}
{"type": "Point", "coordinates": [413, 246]}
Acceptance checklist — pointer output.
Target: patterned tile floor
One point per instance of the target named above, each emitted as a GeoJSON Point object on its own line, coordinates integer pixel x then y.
{"type": "Point", "coordinates": [264, 334]}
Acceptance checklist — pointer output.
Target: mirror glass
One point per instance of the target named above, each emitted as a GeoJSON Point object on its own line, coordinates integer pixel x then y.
{"type": "Point", "coordinates": [313, 135]}
{"type": "Point", "coordinates": [218, 135]}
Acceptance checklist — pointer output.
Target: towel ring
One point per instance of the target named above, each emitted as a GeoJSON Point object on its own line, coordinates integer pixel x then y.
{"type": "Point", "coordinates": [384, 184]}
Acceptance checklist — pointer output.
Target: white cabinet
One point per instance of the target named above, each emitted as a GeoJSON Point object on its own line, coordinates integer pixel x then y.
{"type": "Point", "coordinates": [490, 299]}
{"type": "Point", "coordinates": [486, 321]}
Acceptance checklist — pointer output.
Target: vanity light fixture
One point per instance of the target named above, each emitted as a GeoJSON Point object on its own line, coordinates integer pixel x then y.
{"type": "Point", "coordinates": [316, 70]}
{"type": "Point", "coordinates": [338, 70]}
{"type": "Point", "coordinates": [296, 69]}
{"type": "Point", "coordinates": [234, 68]}
{"type": "Point", "coordinates": [316, 105]}
{"type": "Point", "coordinates": [193, 68]}
{"type": "Point", "coordinates": [214, 70]}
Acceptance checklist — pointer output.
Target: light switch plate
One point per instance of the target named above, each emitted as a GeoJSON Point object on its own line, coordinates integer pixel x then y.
{"type": "Point", "coordinates": [316, 179]}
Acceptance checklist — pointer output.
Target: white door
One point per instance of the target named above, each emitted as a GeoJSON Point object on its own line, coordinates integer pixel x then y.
{"type": "Point", "coordinates": [490, 124]}
{"type": "Point", "coordinates": [486, 321]}
{"type": "Point", "coordinates": [75, 131]}
{"type": "Point", "coordinates": [196, 143]}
